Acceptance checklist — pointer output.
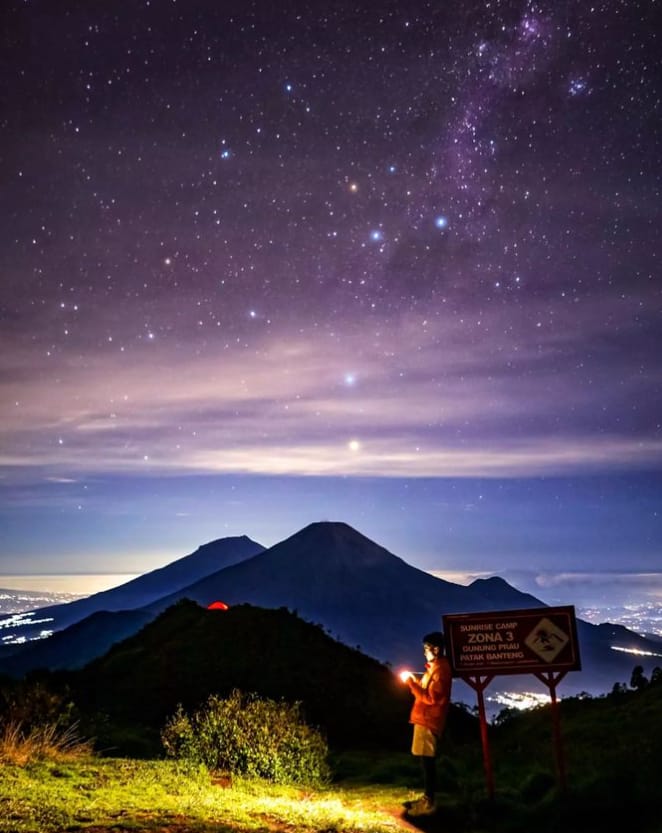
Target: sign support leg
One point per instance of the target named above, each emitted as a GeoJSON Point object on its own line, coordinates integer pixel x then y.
{"type": "Point", "coordinates": [479, 684]}
{"type": "Point", "coordinates": [551, 680]}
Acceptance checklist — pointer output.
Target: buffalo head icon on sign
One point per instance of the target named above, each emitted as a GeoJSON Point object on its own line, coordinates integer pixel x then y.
{"type": "Point", "coordinates": [547, 640]}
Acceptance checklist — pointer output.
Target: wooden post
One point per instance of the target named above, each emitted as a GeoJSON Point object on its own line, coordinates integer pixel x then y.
{"type": "Point", "coordinates": [479, 684]}
{"type": "Point", "coordinates": [551, 680]}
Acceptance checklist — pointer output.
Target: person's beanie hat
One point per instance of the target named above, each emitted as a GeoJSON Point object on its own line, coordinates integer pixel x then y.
{"type": "Point", "coordinates": [436, 639]}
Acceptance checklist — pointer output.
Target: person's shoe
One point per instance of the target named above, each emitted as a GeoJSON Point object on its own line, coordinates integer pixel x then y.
{"type": "Point", "coordinates": [423, 807]}
{"type": "Point", "coordinates": [412, 801]}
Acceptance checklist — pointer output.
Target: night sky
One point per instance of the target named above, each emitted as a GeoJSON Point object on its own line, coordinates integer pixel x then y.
{"type": "Point", "coordinates": [394, 264]}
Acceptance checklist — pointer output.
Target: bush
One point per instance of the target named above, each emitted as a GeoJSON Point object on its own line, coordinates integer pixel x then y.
{"type": "Point", "coordinates": [536, 786]}
{"type": "Point", "coordinates": [34, 703]}
{"type": "Point", "coordinates": [247, 735]}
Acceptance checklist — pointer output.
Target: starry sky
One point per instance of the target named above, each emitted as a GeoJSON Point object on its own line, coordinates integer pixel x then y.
{"type": "Point", "coordinates": [396, 264]}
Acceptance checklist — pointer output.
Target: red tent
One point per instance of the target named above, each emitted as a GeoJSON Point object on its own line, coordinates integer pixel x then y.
{"type": "Point", "coordinates": [218, 606]}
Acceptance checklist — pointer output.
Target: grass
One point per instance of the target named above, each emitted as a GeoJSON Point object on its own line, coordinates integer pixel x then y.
{"type": "Point", "coordinates": [122, 795]}
{"type": "Point", "coordinates": [20, 745]}
{"type": "Point", "coordinates": [51, 783]}
{"type": "Point", "coordinates": [128, 795]}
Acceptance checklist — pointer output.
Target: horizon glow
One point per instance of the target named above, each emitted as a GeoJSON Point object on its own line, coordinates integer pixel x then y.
{"type": "Point", "coordinates": [405, 276]}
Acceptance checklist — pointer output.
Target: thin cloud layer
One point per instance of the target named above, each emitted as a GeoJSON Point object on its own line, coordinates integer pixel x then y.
{"type": "Point", "coordinates": [268, 268]}
{"type": "Point", "coordinates": [436, 406]}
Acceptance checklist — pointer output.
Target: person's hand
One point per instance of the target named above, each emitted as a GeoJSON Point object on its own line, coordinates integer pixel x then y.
{"type": "Point", "coordinates": [405, 676]}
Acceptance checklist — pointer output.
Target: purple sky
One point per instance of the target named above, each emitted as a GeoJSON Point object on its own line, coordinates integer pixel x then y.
{"type": "Point", "coordinates": [395, 265]}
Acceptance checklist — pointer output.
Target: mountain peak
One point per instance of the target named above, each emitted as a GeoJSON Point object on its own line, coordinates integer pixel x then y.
{"type": "Point", "coordinates": [492, 581]}
{"type": "Point", "coordinates": [228, 542]}
{"type": "Point", "coordinates": [327, 543]}
{"type": "Point", "coordinates": [503, 594]}
{"type": "Point", "coordinates": [335, 530]}
{"type": "Point", "coordinates": [328, 526]}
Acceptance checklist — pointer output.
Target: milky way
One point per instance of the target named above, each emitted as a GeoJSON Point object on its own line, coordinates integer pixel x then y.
{"type": "Point", "coordinates": [375, 262]}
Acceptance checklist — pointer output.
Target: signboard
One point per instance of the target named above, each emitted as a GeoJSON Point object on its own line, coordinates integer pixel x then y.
{"type": "Point", "coordinates": [513, 641]}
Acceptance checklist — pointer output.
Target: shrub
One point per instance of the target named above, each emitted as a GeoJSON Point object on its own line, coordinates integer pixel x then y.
{"type": "Point", "coordinates": [35, 703]}
{"type": "Point", "coordinates": [536, 786]}
{"type": "Point", "coordinates": [247, 735]}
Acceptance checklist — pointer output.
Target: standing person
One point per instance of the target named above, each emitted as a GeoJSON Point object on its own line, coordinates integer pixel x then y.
{"type": "Point", "coordinates": [432, 695]}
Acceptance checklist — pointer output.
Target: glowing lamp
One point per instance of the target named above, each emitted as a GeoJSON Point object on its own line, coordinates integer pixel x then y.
{"type": "Point", "coordinates": [218, 606]}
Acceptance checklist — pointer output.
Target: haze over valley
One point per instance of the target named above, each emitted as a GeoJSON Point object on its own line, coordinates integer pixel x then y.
{"type": "Point", "coordinates": [603, 603]}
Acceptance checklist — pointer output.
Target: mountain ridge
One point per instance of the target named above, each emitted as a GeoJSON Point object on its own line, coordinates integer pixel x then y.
{"type": "Point", "coordinates": [370, 599]}
{"type": "Point", "coordinates": [147, 587]}
{"type": "Point", "coordinates": [188, 652]}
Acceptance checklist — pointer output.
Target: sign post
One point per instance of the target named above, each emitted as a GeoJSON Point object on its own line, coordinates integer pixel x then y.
{"type": "Point", "coordinates": [551, 680]}
{"type": "Point", "coordinates": [479, 684]}
{"type": "Point", "coordinates": [540, 641]}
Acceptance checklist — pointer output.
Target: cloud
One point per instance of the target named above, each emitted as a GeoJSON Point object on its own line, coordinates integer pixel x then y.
{"type": "Point", "coordinates": [460, 576]}
{"type": "Point", "coordinates": [598, 578]}
{"type": "Point", "coordinates": [428, 400]}
{"type": "Point", "coordinates": [632, 597]}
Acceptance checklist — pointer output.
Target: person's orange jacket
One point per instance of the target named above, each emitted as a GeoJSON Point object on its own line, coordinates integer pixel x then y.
{"type": "Point", "coordinates": [432, 695]}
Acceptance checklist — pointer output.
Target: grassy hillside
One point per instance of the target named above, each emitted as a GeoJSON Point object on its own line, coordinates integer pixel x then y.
{"type": "Point", "coordinates": [613, 744]}
{"type": "Point", "coordinates": [613, 753]}
{"type": "Point", "coordinates": [190, 652]}
{"type": "Point", "coordinates": [125, 795]}
{"type": "Point", "coordinates": [613, 786]}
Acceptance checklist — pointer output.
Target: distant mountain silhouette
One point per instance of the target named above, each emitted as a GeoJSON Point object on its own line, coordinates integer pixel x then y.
{"type": "Point", "coordinates": [146, 588]}
{"type": "Point", "coordinates": [368, 598]}
{"type": "Point", "coordinates": [503, 595]}
{"type": "Point", "coordinates": [331, 574]}
{"type": "Point", "coordinates": [371, 599]}
{"type": "Point", "coordinates": [604, 660]}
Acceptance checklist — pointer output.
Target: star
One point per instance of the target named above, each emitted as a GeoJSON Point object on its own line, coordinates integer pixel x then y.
{"type": "Point", "coordinates": [577, 87]}
{"type": "Point", "coordinates": [451, 224]}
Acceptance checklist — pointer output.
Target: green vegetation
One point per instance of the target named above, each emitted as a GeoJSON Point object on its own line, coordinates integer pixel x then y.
{"type": "Point", "coordinates": [188, 653]}
{"type": "Point", "coordinates": [613, 754]}
{"type": "Point", "coordinates": [251, 761]}
{"type": "Point", "coordinates": [122, 795]}
{"type": "Point", "coordinates": [614, 757]}
{"type": "Point", "coordinates": [252, 736]}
